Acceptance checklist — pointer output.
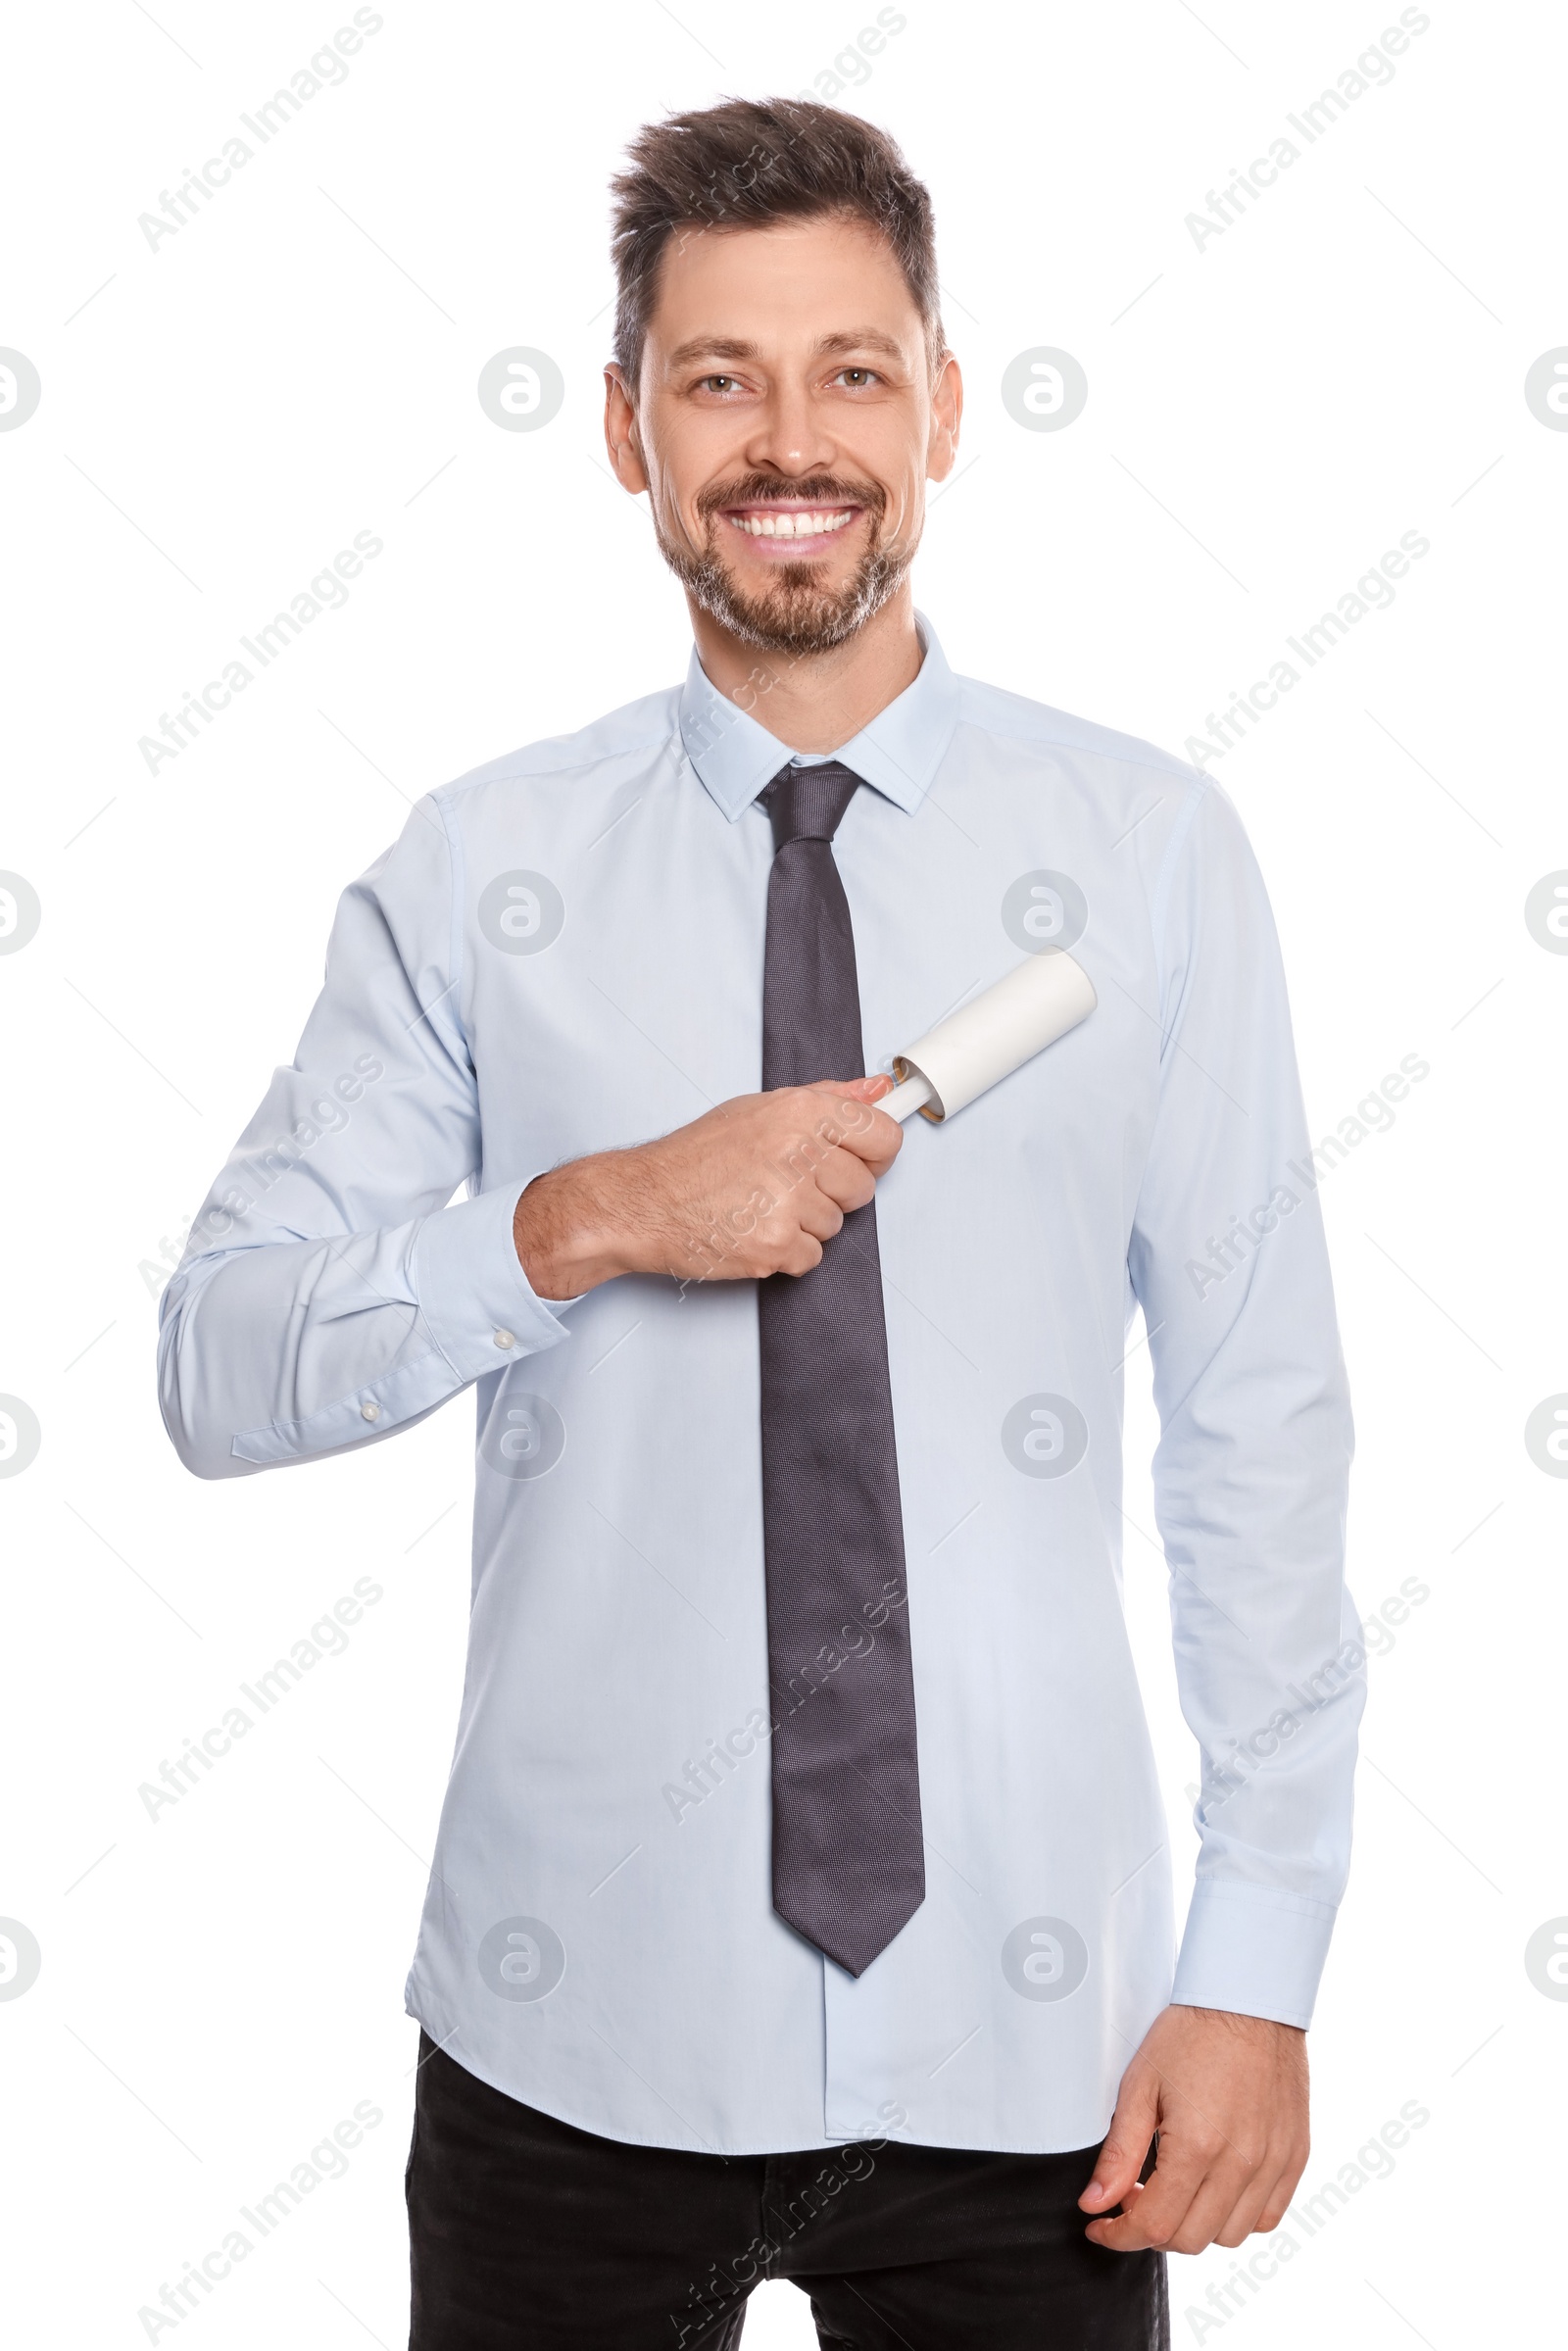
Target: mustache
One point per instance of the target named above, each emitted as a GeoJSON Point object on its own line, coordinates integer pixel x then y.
{"type": "Point", "coordinates": [816, 489]}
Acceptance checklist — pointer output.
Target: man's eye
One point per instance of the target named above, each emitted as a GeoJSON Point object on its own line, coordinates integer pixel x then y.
{"type": "Point", "coordinates": [855, 376]}
{"type": "Point", "coordinates": [720, 383]}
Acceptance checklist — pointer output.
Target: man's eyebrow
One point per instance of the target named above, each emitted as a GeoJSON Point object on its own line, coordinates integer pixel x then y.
{"type": "Point", "coordinates": [712, 347]}
{"type": "Point", "coordinates": [727, 347]}
{"type": "Point", "coordinates": [862, 338]}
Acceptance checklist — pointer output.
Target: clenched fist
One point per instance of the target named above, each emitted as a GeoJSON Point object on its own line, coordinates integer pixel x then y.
{"type": "Point", "coordinates": [754, 1187]}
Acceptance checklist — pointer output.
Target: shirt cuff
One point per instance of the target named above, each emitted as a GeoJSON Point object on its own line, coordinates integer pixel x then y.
{"type": "Point", "coordinates": [476, 1301]}
{"type": "Point", "coordinates": [1255, 1950]}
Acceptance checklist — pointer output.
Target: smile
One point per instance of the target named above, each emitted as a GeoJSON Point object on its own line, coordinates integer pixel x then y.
{"type": "Point", "coordinates": [791, 522]}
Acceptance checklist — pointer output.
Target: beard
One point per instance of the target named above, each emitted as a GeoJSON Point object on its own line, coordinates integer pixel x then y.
{"type": "Point", "coordinates": [796, 614]}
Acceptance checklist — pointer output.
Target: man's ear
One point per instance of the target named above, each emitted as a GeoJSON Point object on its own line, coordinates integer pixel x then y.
{"type": "Point", "coordinates": [947, 413]}
{"type": "Point", "coordinates": [620, 432]}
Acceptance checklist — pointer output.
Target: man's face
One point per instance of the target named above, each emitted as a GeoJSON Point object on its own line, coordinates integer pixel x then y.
{"type": "Point", "coordinates": [785, 424]}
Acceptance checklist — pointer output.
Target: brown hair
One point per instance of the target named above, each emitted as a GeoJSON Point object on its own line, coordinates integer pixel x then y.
{"type": "Point", "coordinates": [751, 161]}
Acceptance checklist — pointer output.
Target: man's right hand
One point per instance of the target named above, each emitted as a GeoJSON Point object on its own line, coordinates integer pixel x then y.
{"type": "Point", "coordinates": [754, 1187]}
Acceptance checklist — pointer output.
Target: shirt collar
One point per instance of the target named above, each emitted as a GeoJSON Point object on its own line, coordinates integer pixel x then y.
{"type": "Point", "coordinates": [899, 753]}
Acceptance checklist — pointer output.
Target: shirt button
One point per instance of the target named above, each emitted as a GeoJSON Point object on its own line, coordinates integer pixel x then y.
{"type": "Point", "coordinates": [370, 1413]}
{"type": "Point", "coordinates": [505, 1339]}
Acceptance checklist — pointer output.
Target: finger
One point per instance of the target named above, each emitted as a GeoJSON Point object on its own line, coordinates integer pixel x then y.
{"type": "Point", "coordinates": [1261, 2203]}
{"type": "Point", "coordinates": [867, 1132]}
{"type": "Point", "coordinates": [874, 1138]}
{"type": "Point", "coordinates": [882, 1143]}
{"type": "Point", "coordinates": [1243, 2217]}
{"type": "Point", "coordinates": [1217, 2198]}
{"type": "Point", "coordinates": [1153, 2217]}
{"type": "Point", "coordinates": [1284, 2188]}
{"type": "Point", "coordinates": [861, 1089]}
{"type": "Point", "coordinates": [816, 1213]}
{"type": "Point", "coordinates": [803, 1256]}
{"type": "Point", "coordinates": [1147, 2220]}
{"type": "Point", "coordinates": [1126, 2147]}
{"type": "Point", "coordinates": [846, 1180]}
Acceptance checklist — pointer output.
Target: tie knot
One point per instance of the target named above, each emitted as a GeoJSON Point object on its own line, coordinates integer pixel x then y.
{"type": "Point", "coordinates": [808, 804]}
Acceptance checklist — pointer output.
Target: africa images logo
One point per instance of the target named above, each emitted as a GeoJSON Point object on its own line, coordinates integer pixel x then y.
{"type": "Point", "coordinates": [1044, 1959]}
{"type": "Point", "coordinates": [522, 1959]}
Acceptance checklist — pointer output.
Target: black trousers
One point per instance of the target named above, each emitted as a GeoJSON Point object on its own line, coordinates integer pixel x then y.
{"type": "Point", "coordinates": [525, 2231]}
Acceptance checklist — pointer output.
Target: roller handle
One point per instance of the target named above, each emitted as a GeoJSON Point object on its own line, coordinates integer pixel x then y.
{"type": "Point", "coordinates": [903, 1101]}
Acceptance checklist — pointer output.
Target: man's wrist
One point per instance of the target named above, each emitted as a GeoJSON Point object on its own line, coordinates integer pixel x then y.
{"type": "Point", "coordinates": [1244, 2021]}
{"type": "Point", "coordinates": [567, 1240]}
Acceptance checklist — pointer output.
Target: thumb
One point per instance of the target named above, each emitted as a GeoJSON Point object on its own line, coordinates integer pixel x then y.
{"type": "Point", "coordinates": [861, 1090]}
{"type": "Point", "coordinates": [1126, 2147]}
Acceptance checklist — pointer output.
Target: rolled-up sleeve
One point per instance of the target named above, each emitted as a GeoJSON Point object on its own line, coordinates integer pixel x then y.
{"type": "Point", "coordinates": [1228, 1260]}
{"type": "Point", "coordinates": [329, 1293]}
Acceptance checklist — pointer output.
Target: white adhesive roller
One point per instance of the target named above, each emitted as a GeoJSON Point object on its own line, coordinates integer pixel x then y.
{"type": "Point", "coordinates": [992, 1037]}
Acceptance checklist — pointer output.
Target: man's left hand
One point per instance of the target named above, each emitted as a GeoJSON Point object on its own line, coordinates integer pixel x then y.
{"type": "Point", "coordinates": [1227, 2095]}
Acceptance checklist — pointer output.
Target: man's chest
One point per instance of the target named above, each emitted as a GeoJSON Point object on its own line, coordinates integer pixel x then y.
{"type": "Point", "coordinates": [613, 969]}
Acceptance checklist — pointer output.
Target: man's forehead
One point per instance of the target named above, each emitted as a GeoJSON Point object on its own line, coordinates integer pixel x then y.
{"type": "Point", "coordinates": [828, 265]}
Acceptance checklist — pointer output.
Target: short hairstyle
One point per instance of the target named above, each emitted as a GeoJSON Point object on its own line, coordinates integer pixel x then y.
{"type": "Point", "coordinates": [745, 163]}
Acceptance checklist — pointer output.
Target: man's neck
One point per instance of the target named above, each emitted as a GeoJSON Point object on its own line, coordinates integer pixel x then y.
{"type": "Point", "coordinates": [819, 700]}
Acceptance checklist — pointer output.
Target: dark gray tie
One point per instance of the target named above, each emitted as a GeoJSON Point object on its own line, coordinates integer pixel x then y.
{"type": "Point", "coordinates": [849, 1864]}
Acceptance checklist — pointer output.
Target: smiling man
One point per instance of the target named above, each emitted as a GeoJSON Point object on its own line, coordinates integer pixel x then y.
{"type": "Point", "coordinates": [802, 1904]}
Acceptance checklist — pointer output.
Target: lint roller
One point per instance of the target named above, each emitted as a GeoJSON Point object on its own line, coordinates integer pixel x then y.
{"type": "Point", "coordinates": [987, 1040]}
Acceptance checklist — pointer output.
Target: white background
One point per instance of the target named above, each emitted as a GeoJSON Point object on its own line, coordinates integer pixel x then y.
{"type": "Point", "coordinates": [1266, 416]}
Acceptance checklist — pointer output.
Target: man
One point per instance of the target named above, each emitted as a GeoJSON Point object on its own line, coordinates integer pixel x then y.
{"type": "Point", "coordinates": [802, 1892]}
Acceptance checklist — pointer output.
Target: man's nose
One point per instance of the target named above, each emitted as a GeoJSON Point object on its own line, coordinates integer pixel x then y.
{"type": "Point", "coordinates": [789, 435]}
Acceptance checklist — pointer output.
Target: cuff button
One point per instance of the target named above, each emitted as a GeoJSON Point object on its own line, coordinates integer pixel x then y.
{"type": "Point", "coordinates": [505, 1339]}
{"type": "Point", "coordinates": [370, 1413]}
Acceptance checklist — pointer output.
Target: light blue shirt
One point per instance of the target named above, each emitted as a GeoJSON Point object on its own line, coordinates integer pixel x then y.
{"type": "Point", "coordinates": [562, 953]}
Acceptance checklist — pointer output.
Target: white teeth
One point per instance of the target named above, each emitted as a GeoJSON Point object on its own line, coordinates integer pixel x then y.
{"type": "Point", "coordinates": [800, 525]}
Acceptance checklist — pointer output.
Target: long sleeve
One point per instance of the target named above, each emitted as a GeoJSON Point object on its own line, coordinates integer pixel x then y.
{"type": "Point", "coordinates": [328, 1294]}
{"type": "Point", "coordinates": [1229, 1263]}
